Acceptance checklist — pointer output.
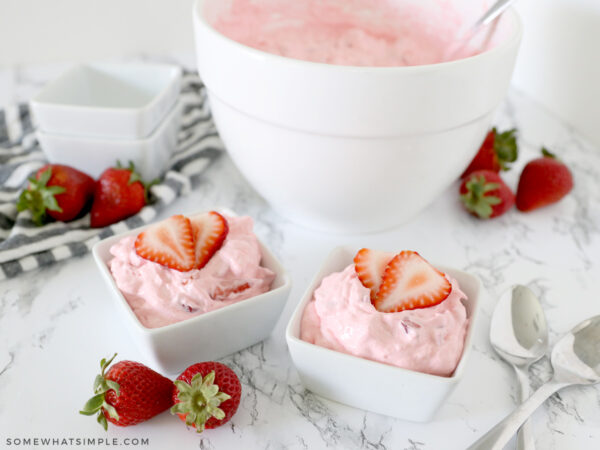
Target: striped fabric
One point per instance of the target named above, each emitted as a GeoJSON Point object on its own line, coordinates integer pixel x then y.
{"type": "Point", "coordinates": [24, 247]}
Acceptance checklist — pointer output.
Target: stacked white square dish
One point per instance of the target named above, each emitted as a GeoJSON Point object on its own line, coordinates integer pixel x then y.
{"type": "Point", "coordinates": [96, 114]}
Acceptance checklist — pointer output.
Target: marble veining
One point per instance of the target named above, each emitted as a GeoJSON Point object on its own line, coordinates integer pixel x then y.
{"type": "Point", "coordinates": [60, 321]}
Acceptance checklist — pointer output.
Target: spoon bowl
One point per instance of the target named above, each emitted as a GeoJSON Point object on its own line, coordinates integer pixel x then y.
{"type": "Point", "coordinates": [518, 331]}
{"type": "Point", "coordinates": [575, 360]}
{"type": "Point", "coordinates": [519, 334]}
{"type": "Point", "coordinates": [576, 357]}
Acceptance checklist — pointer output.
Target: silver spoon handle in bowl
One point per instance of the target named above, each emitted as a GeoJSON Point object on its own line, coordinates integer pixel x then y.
{"type": "Point", "coordinates": [498, 8]}
{"type": "Point", "coordinates": [525, 440]}
{"type": "Point", "coordinates": [499, 435]}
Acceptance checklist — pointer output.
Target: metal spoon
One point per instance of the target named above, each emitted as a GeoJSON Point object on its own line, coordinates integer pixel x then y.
{"type": "Point", "coordinates": [519, 334]}
{"type": "Point", "coordinates": [494, 11]}
{"type": "Point", "coordinates": [576, 361]}
{"type": "Point", "coordinates": [467, 35]}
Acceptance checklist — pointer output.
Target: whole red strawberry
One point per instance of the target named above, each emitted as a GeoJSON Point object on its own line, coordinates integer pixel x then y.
{"type": "Point", "coordinates": [119, 194]}
{"type": "Point", "coordinates": [128, 394]}
{"type": "Point", "coordinates": [497, 150]}
{"type": "Point", "coordinates": [485, 195]}
{"type": "Point", "coordinates": [206, 395]}
{"type": "Point", "coordinates": [544, 181]}
{"type": "Point", "coordinates": [58, 191]}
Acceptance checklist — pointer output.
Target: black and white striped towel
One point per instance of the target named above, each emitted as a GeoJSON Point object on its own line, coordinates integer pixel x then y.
{"type": "Point", "coordinates": [24, 247]}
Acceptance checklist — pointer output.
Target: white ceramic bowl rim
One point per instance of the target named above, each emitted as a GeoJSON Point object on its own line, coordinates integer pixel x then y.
{"type": "Point", "coordinates": [512, 40]}
{"type": "Point", "coordinates": [38, 98]}
{"type": "Point", "coordinates": [382, 366]}
{"type": "Point", "coordinates": [280, 271]}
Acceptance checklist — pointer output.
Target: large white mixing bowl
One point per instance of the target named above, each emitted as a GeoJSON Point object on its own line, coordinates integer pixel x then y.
{"type": "Point", "coordinates": [350, 149]}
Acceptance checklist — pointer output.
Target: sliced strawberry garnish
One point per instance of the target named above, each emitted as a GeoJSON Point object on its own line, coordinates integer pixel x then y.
{"type": "Point", "coordinates": [410, 282]}
{"type": "Point", "coordinates": [170, 243]}
{"type": "Point", "coordinates": [370, 265]}
{"type": "Point", "coordinates": [210, 230]}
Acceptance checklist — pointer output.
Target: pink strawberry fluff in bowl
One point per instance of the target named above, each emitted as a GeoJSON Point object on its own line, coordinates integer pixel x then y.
{"type": "Point", "coordinates": [384, 332]}
{"type": "Point", "coordinates": [374, 33]}
{"type": "Point", "coordinates": [159, 295]}
{"type": "Point", "coordinates": [179, 283]}
{"type": "Point", "coordinates": [341, 317]}
{"type": "Point", "coordinates": [373, 100]}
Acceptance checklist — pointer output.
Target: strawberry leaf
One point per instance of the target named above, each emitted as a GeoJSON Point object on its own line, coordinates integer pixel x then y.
{"type": "Point", "coordinates": [97, 404]}
{"type": "Point", "coordinates": [505, 146]}
{"type": "Point", "coordinates": [93, 405]}
{"type": "Point", "coordinates": [547, 153]}
{"type": "Point", "coordinates": [112, 412]}
{"type": "Point", "coordinates": [39, 198]}
{"type": "Point", "coordinates": [199, 400]}
{"type": "Point", "coordinates": [114, 386]}
{"type": "Point", "coordinates": [101, 419]}
{"type": "Point", "coordinates": [476, 198]}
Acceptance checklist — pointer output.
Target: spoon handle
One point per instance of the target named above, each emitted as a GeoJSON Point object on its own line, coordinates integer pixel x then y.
{"type": "Point", "coordinates": [497, 9]}
{"type": "Point", "coordinates": [499, 435]}
{"type": "Point", "coordinates": [525, 440]}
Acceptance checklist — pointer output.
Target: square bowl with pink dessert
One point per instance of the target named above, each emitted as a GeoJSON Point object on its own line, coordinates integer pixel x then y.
{"type": "Point", "coordinates": [384, 332]}
{"type": "Point", "coordinates": [184, 283]}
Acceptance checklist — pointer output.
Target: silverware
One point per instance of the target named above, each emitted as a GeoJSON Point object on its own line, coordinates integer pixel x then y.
{"type": "Point", "coordinates": [494, 11]}
{"type": "Point", "coordinates": [519, 334]}
{"type": "Point", "coordinates": [575, 360]}
{"type": "Point", "coordinates": [467, 35]}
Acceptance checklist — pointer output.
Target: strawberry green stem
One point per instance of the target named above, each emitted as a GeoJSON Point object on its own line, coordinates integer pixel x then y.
{"type": "Point", "coordinates": [200, 400]}
{"type": "Point", "coordinates": [476, 199]}
{"type": "Point", "coordinates": [39, 197]}
{"type": "Point", "coordinates": [505, 146]}
{"type": "Point", "coordinates": [97, 403]}
{"type": "Point", "coordinates": [135, 176]}
{"type": "Point", "coordinates": [547, 153]}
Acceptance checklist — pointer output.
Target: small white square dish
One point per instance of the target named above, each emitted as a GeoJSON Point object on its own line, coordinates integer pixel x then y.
{"type": "Point", "coordinates": [218, 333]}
{"type": "Point", "coordinates": [94, 155]}
{"type": "Point", "coordinates": [371, 385]}
{"type": "Point", "coordinates": [108, 100]}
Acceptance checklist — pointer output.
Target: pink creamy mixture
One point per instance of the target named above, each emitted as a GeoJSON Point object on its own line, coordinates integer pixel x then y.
{"type": "Point", "coordinates": [344, 32]}
{"type": "Point", "coordinates": [160, 296]}
{"type": "Point", "coordinates": [340, 317]}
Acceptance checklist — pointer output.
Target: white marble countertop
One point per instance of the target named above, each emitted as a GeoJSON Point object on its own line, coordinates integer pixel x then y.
{"type": "Point", "coordinates": [56, 323]}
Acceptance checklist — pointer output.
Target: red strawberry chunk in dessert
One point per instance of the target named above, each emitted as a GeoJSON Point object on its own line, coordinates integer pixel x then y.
{"type": "Point", "coordinates": [370, 266]}
{"type": "Point", "coordinates": [221, 293]}
{"type": "Point", "coordinates": [169, 243]}
{"type": "Point", "coordinates": [210, 230]}
{"type": "Point", "coordinates": [410, 282]}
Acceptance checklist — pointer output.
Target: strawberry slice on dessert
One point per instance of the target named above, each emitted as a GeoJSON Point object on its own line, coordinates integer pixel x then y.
{"type": "Point", "coordinates": [169, 243]}
{"type": "Point", "coordinates": [410, 282]}
{"type": "Point", "coordinates": [370, 266]}
{"type": "Point", "coordinates": [209, 230]}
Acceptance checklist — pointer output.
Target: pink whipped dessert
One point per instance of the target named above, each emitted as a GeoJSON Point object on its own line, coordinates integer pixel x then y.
{"type": "Point", "coordinates": [341, 316]}
{"type": "Point", "coordinates": [159, 295]}
{"type": "Point", "coordinates": [345, 32]}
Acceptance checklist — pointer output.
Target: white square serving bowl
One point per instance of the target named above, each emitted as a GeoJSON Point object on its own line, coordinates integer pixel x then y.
{"type": "Point", "coordinates": [93, 155]}
{"type": "Point", "coordinates": [218, 333]}
{"type": "Point", "coordinates": [108, 100]}
{"type": "Point", "coordinates": [371, 385]}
